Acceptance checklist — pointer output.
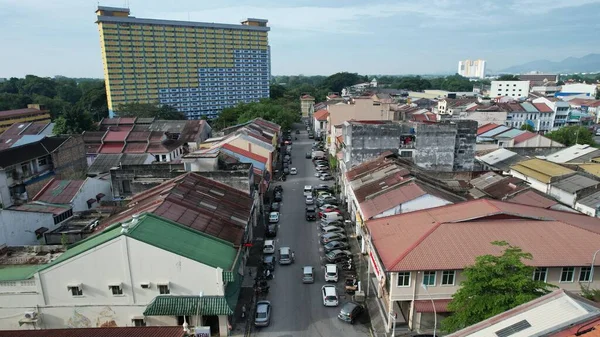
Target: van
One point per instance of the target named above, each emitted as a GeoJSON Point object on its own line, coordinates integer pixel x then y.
{"type": "Point", "coordinates": [269, 247]}
{"type": "Point", "coordinates": [331, 217]}
{"type": "Point", "coordinates": [286, 255]}
{"type": "Point", "coordinates": [308, 274]}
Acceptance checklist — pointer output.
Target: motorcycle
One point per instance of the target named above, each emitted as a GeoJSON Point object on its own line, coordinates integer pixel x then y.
{"type": "Point", "coordinates": [268, 275]}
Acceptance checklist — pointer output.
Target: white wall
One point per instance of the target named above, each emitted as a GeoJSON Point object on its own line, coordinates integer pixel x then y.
{"type": "Point", "coordinates": [90, 188]}
{"type": "Point", "coordinates": [515, 89]}
{"type": "Point", "coordinates": [5, 197]}
{"type": "Point", "coordinates": [588, 89]}
{"type": "Point", "coordinates": [17, 228]}
{"type": "Point", "coordinates": [585, 209]}
{"type": "Point", "coordinates": [423, 202]}
{"type": "Point", "coordinates": [563, 196]}
{"type": "Point", "coordinates": [536, 184]}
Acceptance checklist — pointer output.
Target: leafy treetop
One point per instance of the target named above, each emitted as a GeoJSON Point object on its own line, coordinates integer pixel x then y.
{"type": "Point", "coordinates": [571, 135]}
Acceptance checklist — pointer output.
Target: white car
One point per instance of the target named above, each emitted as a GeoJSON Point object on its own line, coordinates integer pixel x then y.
{"type": "Point", "coordinates": [330, 297]}
{"type": "Point", "coordinates": [331, 273]}
{"type": "Point", "coordinates": [273, 217]}
{"type": "Point", "coordinates": [308, 190]}
{"type": "Point", "coordinates": [293, 171]}
{"type": "Point", "coordinates": [310, 200]}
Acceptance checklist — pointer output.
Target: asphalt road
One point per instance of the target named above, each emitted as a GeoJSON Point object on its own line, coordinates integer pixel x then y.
{"type": "Point", "coordinates": [297, 308]}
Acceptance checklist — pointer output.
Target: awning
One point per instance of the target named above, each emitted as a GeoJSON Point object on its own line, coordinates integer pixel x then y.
{"type": "Point", "coordinates": [188, 306]}
{"type": "Point", "coordinates": [425, 306]}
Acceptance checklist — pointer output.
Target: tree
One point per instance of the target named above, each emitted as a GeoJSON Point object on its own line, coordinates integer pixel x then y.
{"type": "Point", "coordinates": [509, 78]}
{"type": "Point", "coordinates": [493, 285]}
{"type": "Point", "coordinates": [571, 135]}
{"type": "Point", "coordinates": [10, 101]}
{"type": "Point", "coordinates": [279, 111]}
{"type": "Point", "coordinates": [339, 81]}
{"type": "Point", "coordinates": [527, 127]}
{"type": "Point", "coordinates": [94, 99]}
{"type": "Point", "coordinates": [73, 120]}
{"type": "Point", "coordinates": [148, 110]}
{"type": "Point", "coordinates": [276, 91]}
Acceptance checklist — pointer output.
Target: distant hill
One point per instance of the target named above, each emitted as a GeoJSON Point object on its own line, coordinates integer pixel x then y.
{"type": "Point", "coordinates": [586, 64]}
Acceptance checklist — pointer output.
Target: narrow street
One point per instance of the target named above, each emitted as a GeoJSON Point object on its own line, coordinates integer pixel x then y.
{"type": "Point", "coordinates": [298, 308]}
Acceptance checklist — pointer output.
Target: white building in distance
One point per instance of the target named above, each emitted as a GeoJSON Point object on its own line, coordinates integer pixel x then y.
{"type": "Point", "coordinates": [514, 89]}
{"type": "Point", "coordinates": [472, 69]}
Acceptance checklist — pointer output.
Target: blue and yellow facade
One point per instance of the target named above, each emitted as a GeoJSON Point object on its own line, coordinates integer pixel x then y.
{"type": "Point", "coordinates": [199, 68]}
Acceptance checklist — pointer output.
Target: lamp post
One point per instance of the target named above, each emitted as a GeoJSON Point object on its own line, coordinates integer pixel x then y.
{"type": "Point", "coordinates": [433, 306]}
{"type": "Point", "coordinates": [592, 268]}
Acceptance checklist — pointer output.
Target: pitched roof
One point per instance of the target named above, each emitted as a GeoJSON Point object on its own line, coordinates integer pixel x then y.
{"type": "Point", "coordinates": [17, 112]}
{"type": "Point", "coordinates": [575, 183]}
{"type": "Point", "coordinates": [197, 202]}
{"type": "Point", "coordinates": [59, 191]}
{"type": "Point", "coordinates": [391, 198]}
{"type": "Point", "coordinates": [532, 198]}
{"type": "Point", "coordinates": [164, 234]}
{"type": "Point", "coordinates": [171, 305]}
{"type": "Point", "coordinates": [370, 165]}
{"type": "Point", "coordinates": [571, 153]}
{"type": "Point", "coordinates": [144, 331]}
{"type": "Point", "coordinates": [542, 107]}
{"type": "Point", "coordinates": [411, 241]}
{"type": "Point", "coordinates": [18, 154]}
{"type": "Point", "coordinates": [541, 170]}
{"type": "Point", "coordinates": [485, 128]}
{"type": "Point", "coordinates": [105, 161]}
{"type": "Point", "coordinates": [321, 115]}
{"type": "Point", "coordinates": [523, 137]}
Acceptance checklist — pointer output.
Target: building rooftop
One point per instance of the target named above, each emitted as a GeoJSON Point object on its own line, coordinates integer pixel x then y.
{"type": "Point", "coordinates": [592, 201]}
{"type": "Point", "coordinates": [412, 241]}
{"type": "Point", "coordinates": [104, 162]}
{"type": "Point", "coordinates": [532, 198]}
{"type": "Point", "coordinates": [20, 263]}
{"type": "Point", "coordinates": [575, 183]}
{"type": "Point", "coordinates": [59, 191]}
{"type": "Point", "coordinates": [321, 115]}
{"type": "Point", "coordinates": [19, 112]}
{"type": "Point", "coordinates": [382, 161]}
{"type": "Point", "coordinates": [541, 170]}
{"type": "Point", "coordinates": [524, 136]}
{"type": "Point", "coordinates": [143, 331]}
{"type": "Point", "coordinates": [572, 153]}
{"type": "Point", "coordinates": [18, 154]}
{"type": "Point", "coordinates": [501, 158]}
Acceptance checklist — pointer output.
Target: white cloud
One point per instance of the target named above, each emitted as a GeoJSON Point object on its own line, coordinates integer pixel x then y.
{"type": "Point", "coordinates": [545, 6]}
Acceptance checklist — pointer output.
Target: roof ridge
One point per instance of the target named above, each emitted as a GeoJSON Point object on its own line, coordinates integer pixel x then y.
{"type": "Point", "coordinates": [391, 188]}
{"type": "Point", "coordinates": [44, 189]}
{"type": "Point", "coordinates": [415, 244]}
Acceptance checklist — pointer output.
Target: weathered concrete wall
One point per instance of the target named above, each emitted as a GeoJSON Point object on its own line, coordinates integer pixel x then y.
{"type": "Point", "coordinates": [238, 179]}
{"type": "Point", "coordinates": [70, 157]}
{"type": "Point", "coordinates": [435, 146]}
{"type": "Point", "coordinates": [534, 151]}
{"type": "Point", "coordinates": [365, 142]}
{"type": "Point", "coordinates": [466, 138]}
{"type": "Point", "coordinates": [131, 179]}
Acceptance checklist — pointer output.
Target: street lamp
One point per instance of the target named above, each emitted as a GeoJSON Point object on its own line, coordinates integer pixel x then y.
{"type": "Point", "coordinates": [424, 286]}
{"type": "Point", "coordinates": [592, 268]}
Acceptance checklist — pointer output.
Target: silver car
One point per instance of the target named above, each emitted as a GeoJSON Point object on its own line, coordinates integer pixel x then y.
{"type": "Point", "coordinates": [263, 313]}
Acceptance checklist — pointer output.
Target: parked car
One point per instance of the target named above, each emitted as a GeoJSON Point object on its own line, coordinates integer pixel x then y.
{"type": "Point", "coordinates": [333, 223]}
{"type": "Point", "coordinates": [269, 262]}
{"type": "Point", "coordinates": [323, 194]}
{"type": "Point", "coordinates": [323, 187]}
{"type": "Point", "coordinates": [328, 217]}
{"type": "Point", "coordinates": [274, 217]}
{"type": "Point", "coordinates": [286, 170]}
{"type": "Point", "coordinates": [328, 206]}
{"type": "Point", "coordinates": [330, 297]}
{"type": "Point", "coordinates": [278, 196]}
{"type": "Point", "coordinates": [320, 162]}
{"type": "Point", "coordinates": [321, 167]}
{"type": "Point", "coordinates": [275, 207]}
{"type": "Point", "coordinates": [326, 200]}
{"type": "Point", "coordinates": [337, 255]}
{"type": "Point", "coordinates": [293, 171]}
{"type": "Point", "coordinates": [350, 312]}
{"type": "Point", "coordinates": [311, 213]}
{"type": "Point", "coordinates": [329, 210]}
{"type": "Point", "coordinates": [326, 238]}
{"type": "Point", "coordinates": [332, 229]}
{"type": "Point", "coordinates": [263, 313]}
{"type": "Point", "coordinates": [286, 159]}
{"type": "Point", "coordinates": [326, 176]}
{"type": "Point", "coordinates": [333, 245]}
{"type": "Point", "coordinates": [331, 273]}
{"type": "Point", "coordinates": [311, 135]}
{"type": "Point", "coordinates": [269, 247]}
{"type": "Point", "coordinates": [271, 231]}
{"type": "Point", "coordinates": [308, 155]}
{"type": "Point", "coordinates": [310, 200]}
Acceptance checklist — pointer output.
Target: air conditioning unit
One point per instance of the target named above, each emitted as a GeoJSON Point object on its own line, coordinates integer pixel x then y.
{"type": "Point", "coordinates": [145, 285]}
{"type": "Point", "coordinates": [30, 314]}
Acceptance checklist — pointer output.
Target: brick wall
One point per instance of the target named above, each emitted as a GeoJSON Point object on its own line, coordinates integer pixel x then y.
{"type": "Point", "coordinates": [70, 157]}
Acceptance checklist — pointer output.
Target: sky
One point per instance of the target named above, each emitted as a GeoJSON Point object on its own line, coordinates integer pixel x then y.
{"type": "Point", "coordinates": [319, 37]}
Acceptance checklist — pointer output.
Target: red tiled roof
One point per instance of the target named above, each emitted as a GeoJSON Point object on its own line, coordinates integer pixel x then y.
{"type": "Point", "coordinates": [116, 136]}
{"type": "Point", "coordinates": [112, 147]}
{"type": "Point", "coordinates": [245, 153]}
{"type": "Point", "coordinates": [532, 198]}
{"type": "Point", "coordinates": [92, 148]}
{"type": "Point", "coordinates": [138, 136]}
{"type": "Point", "coordinates": [412, 241]}
{"type": "Point", "coordinates": [194, 201]}
{"type": "Point", "coordinates": [365, 167]}
{"type": "Point", "coordinates": [59, 191]}
{"type": "Point", "coordinates": [146, 331]}
{"type": "Point", "coordinates": [17, 112]}
{"type": "Point", "coordinates": [157, 147]}
{"type": "Point", "coordinates": [307, 97]}
{"type": "Point", "coordinates": [485, 128]}
{"type": "Point", "coordinates": [135, 148]}
{"type": "Point", "coordinates": [127, 120]}
{"type": "Point", "coordinates": [321, 115]}
{"type": "Point", "coordinates": [390, 198]}
{"type": "Point", "coordinates": [110, 121]}
{"type": "Point", "coordinates": [523, 137]}
{"type": "Point", "coordinates": [542, 107]}
{"type": "Point", "coordinates": [425, 306]}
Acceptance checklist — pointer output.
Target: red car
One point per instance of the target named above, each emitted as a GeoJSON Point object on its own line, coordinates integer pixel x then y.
{"type": "Point", "coordinates": [328, 210]}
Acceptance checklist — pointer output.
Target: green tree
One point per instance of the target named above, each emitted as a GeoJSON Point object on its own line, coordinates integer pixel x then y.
{"type": "Point", "coordinates": [276, 91]}
{"type": "Point", "coordinates": [280, 111]}
{"type": "Point", "coordinates": [493, 285]}
{"type": "Point", "coordinates": [339, 81]}
{"type": "Point", "coordinates": [94, 99]}
{"type": "Point", "coordinates": [38, 85]}
{"type": "Point", "coordinates": [10, 101]}
{"type": "Point", "coordinates": [527, 127]}
{"type": "Point", "coordinates": [73, 120]}
{"type": "Point", "coordinates": [149, 110]}
{"type": "Point", "coordinates": [508, 78]}
{"type": "Point", "coordinates": [571, 135]}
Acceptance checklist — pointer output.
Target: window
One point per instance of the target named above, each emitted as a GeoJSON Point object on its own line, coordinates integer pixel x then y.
{"type": "Point", "coordinates": [404, 279]}
{"type": "Point", "coordinates": [76, 290]}
{"type": "Point", "coordinates": [116, 289]}
{"type": "Point", "coordinates": [448, 277]}
{"type": "Point", "coordinates": [429, 278]}
{"type": "Point", "coordinates": [567, 274]}
{"type": "Point", "coordinates": [539, 274]}
{"type": "Point", "coordinates": [138, 322]}
{"type": "Point", "coordinates": [584, 274]}
{"type": "Point", "coordinates": [42, 161]}
{"type": "Point", "coordinates": [163, 289]}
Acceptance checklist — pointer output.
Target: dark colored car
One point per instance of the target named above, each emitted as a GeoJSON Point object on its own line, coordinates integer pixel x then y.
{"type": "Point", "coordinates": [311, 135]}
{"type": "Point", "coordinates": [323, 187]}
{"type": "Point", "coordinates": [335, 245]}
{"type": "Point", "coordinates": [271, 231]}
{"type": "Point", "coordinates": [297, 132]}
{"type": "Point", "coordinates": [275, 207]}
{"type": "Point", "coordinates": [278, 196]}
{"type": "Point", "coordinates": [350, 312]}
{"type": "Point", "coordinates": [311, 213]}
{"type": "Point", "coordinates": [308, 155]}
{"type": "Point", "coordinates": [337, 255]}
{"type": "Point", "coordinates": [269, 262]}
{"type": "Point", "coordinates": [286, 170]}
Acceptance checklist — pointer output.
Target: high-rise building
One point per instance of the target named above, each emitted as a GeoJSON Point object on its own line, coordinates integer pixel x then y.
{"type": "Point", "coordinates": [471, 69]}
{"type": "Point", "coordinates": [199, 68]}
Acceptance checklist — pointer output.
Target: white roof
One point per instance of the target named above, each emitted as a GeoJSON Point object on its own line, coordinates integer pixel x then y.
{"type": "Point", "coordinates": [550, 313]}
{"type": "Point", "coordinates": [570, 153]}
{"type": "Point", "coordinates": [496, 156]}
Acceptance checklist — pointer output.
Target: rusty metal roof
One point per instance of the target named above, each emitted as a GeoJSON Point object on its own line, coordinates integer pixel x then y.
{"type": "Point", "coordinates": [391, 198]}
{"type": "Point", "coordinates": [452, 236]}
{"type": "Point", "coordinates": [370, 165]}
{"type": "Point", "coordinates": [146, 331]}
{"type": "Point", "coordinates": [59, 191]}
{"type": "Point", "coordinates": [532, 198]}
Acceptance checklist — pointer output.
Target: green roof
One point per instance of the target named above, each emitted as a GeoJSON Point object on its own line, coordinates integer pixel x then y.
{"type": "Point", "coordinates": [167, 235]}
{"type": "Point", "coordinates": [18, 272]}
{"type": "Point", "coordinates": [170, 305]}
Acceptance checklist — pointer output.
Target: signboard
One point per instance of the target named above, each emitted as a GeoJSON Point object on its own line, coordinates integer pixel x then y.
{"type": "Point", "coordinates": [202, 331]}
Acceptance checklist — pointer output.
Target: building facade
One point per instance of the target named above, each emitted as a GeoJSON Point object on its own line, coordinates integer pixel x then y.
{"type": "Point", "coordinates": [198, 68]}
{"type": "Point", "coordinates": [33, 113]}
{"type": "Point", "coordinates": [472, 69]}
{"type": "Point", "coordinates": [514, 89]}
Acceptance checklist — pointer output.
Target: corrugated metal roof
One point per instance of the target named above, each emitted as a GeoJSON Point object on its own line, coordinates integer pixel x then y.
{"type": "Point", "coordinates": [495, 131]}
{"type": "Point", "coordinates": [496, 156]}
{"type": "Point", "coordinates": [575, 183]}
{"type": "Point", "coordinates": [528, 107]}
{"type": "Point", "coordinates": [59, 191]}
{"type": "Point", "coordinates": [485, 128]}
{"type": "Point", "coordinates": [412, 241]}
{"type": "Point", "coordinates": [370, 165]}
{"type": "Point", "coordinates": [105, 161]}
{"type": "Point", "coordinates": [171, 305]}
{"type": "Point", "coordinates": [592, 200]}
{"type": "Point", "coordinates": [426, 306]}
{"type": "Point", "coordinates": [532, 198]}
{"type": "Point", "coordinates": [509, 134]}
{"type": "Point", "coordinates": [145, 331]}
{"type": "Point", "coordinates": [390, 199]}
{"type": "Point", "coordinates": [524, 136]}
{"type": "Point", "coordinates": [541, 170]}
{"type": "Point", "coordinates": [570, 153]}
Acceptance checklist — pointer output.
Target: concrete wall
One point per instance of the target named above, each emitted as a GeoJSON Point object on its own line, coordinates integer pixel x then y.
{"type": "Point", "coordinates": [536, 184]}
{"type": "Point", "coordinates": [242, 180]}
{"type": "Point", "coordinates": [18, 227]}
{"type": "Point", "coordinates": [141, 177]}
{"type": "Point", "coordinates": [586, 209]}
{"type": "Point", "coordinates": [91, 187]}
{"type": "Point", "coordinates": [534, 151]}
{"type": "Point", "coordinates": [435, 146]}
{"type": "Point", "coordinates": [70, 157]}
{"type": "Point", "coordinates": [5, 198]}
{"type": "Point", "coordinates": [563, 196]}
{"type": "Point", "coordinates": [365, 142]}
